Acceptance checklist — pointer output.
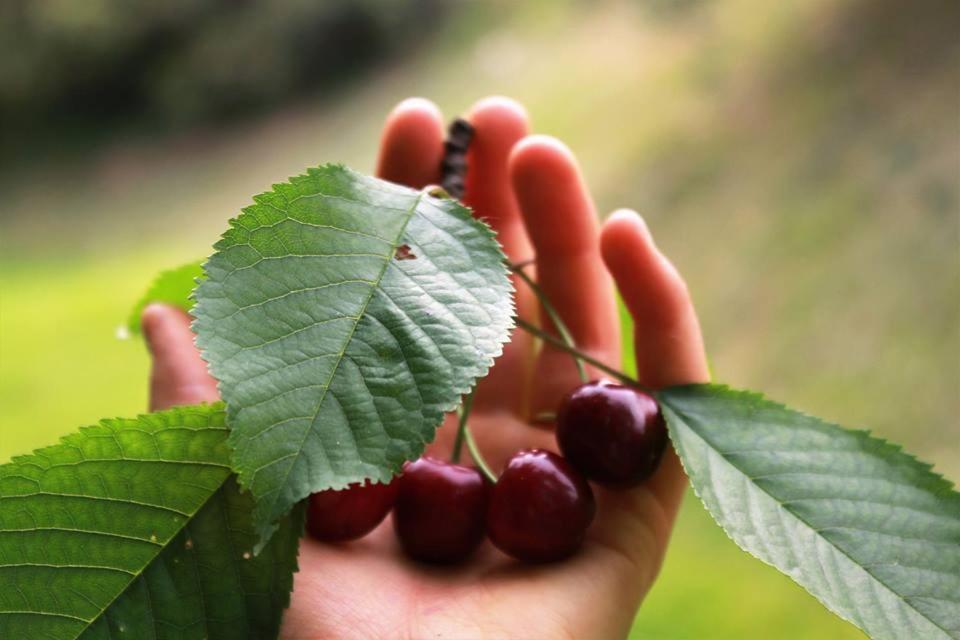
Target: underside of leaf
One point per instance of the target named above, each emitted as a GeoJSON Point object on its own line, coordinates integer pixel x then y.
{"type": "Point", "coordinates": [868, 530]}
{"type": "Point", "coordinates": [135, 526]}
{"type": "Point", "coordinates": [342, 316]}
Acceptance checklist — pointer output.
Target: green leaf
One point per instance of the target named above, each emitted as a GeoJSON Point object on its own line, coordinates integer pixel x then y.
{"type": "Point", "coordinates": [867, 529]}
{"type": "Point", "coordinates": [172, 287]}
{"type": "Point", "coordinates": [136, 528]}
{"type": "Point", "coordinates": [343, 315]}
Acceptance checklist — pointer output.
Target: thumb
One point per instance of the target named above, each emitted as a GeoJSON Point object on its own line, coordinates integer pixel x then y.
{"type": "Point", "coordinates": [178, 376]}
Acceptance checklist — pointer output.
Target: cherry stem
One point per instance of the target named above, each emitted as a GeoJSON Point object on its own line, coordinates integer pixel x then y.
{"type": "Point", "coordinates": [477, 457]}
{"type": "Point", "coordinates": [463, 413]}
{"type": "Point", "coordinates": [554, 317]}
{"type": "Point", "coordinates": [559, 344]}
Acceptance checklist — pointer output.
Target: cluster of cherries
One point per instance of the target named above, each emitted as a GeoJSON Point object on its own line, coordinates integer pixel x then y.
{"type": "Point", "coordinates": [540, 507]}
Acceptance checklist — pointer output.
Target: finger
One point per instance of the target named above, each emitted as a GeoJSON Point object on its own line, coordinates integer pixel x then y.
{"type": "Point", "coordinates": [178, 376]}
{"type": "Point", "coordinates": [411, 146]}
{"type": "Point", "coordinates": [668, 342]}
{"type": "Point", "coordinates": [669, 351]}
{"type": "Point", "coordinates": [562, 224]}
{"type": "Point", "coordinates": [498, 124]}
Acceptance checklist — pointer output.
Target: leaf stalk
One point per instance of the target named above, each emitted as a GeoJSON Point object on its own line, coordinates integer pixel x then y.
{"type": "Point", "coordinates": [462, 413]}
{"type": "Point", "coordinates": [560, 344]}
{"type": "Point", "coordinates": [477, 456]}
{"type": "Point", "coordinates": [553, 315]}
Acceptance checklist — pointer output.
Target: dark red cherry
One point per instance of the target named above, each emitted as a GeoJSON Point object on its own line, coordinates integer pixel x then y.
{"type": "Point", "coordinates": [440, 510]}
{"type": "Point", "coordinates": [612, 434]}
{"type": "Point", "coordinates": [540, 508]}
{"type": "Point", "coordinates": [347, 514]}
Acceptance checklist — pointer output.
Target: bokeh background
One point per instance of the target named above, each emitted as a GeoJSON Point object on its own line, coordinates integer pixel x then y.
{"type": "Point", "coordinates": [799, 160]}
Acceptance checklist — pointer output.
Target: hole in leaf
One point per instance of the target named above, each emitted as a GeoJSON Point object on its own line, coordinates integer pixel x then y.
{"type": "Point", "coordinates": [404, 253]}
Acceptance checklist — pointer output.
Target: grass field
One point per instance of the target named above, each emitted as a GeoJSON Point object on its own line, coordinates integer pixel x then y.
{"type": "Point", "coordinates": [803, 180]}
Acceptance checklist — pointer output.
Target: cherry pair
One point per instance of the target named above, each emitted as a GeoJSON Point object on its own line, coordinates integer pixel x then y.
{"type": "Point", "coordinates": [439, 510]}
{"type": "Point", "coordinates": [540, 507]}
{"type": "Point", "coordinates": [538, 510]}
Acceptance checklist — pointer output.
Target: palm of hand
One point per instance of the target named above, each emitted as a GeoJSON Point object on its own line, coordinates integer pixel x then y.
{"type": "Point", "coordinates": [531, 192]}
{"type": "Point", "coordinates": [369, 589]}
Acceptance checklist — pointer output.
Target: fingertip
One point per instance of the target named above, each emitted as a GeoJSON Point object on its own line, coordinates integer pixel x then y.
{"type": "Point", "coordinates": [622, 235]}
{"type": "Point", "coordinates": [498, 123]}
{"type": "Point", "coordinates": [669, 344]}
{"type": "Point", "coordinates": [557, 209]}
{"type": "Point", "coordinates": [160, 310]}
{"type": "Point", "coordinates": [166, 330]}
{"type": "Point", "coordinates": [152, 314]}
{"type": "Point", "coordinates": [416, 110]}
{"type": "Point", "coordinates": [638, 266]}
{"type": "Point", "coordinates": [156, 320]}
{"type": "Point", "coordinates": [504, 115]}
{"type": "Point", "coordinates": [412, 143]}
{"type": "Point", "coordinates": [497, 102]}
{"type": "Point", "coordinates": [627, 218]}
{"type": "Point", "coordinates": [538, 155]}
{"type": "Point", "coordinates": [178, 374]}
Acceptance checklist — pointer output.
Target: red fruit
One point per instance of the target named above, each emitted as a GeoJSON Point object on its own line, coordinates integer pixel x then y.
{"type": "Point", "coordinates": [347, 514]}
{"type": "Point", "coordinates": [540, 508]}
{"type": "Point", "coordinates": [440, 510]}
{"type": "Point", "coordinates": [611, 433]}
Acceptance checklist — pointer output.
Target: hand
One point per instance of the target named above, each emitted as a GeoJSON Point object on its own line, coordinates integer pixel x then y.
{"type": "Point", "coordinates": [530, 190]}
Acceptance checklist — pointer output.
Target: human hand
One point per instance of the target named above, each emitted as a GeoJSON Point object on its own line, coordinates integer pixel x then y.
{"type": "Point", "coordinates": [529, 189]}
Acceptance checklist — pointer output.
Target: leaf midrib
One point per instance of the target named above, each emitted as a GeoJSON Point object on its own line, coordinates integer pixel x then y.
{"type": "Point", "coordinates": [134, 576]}
{"type": "Point", "coordinates": [374, 286]}
{"type": "Point", "coordinates": [684, 417]}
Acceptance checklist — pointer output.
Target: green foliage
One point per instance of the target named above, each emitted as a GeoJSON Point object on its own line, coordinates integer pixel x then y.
{"type": "Point", "coordinates": [343, 315]}
{"type": "Point", "coordinates": [867, 529]}
{"type": "Point", "coordinates": [172, 287]}
{"type": "Point", "coordinates": [136, 526]}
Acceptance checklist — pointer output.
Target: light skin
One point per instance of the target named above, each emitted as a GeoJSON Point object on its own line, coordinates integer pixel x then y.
{"type": "Point", "coordinates": [530, 189]}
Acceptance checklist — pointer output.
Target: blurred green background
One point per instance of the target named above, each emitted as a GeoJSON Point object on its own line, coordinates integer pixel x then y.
{"type": "Point", "coordinates": [799, 161]}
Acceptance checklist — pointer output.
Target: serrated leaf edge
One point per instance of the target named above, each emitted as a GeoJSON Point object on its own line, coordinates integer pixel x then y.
{"type": "Point", "coordinates": [459, 210]}
{"type": "Point", "coordinates": [862, 434]}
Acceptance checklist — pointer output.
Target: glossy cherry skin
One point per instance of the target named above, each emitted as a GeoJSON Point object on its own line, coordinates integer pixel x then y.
{"type": "Point", "coordinates": [351, 513]}
{"type": "Point", "coordinates": [540, 508]}
{"type": "Point", "coordinates": [440, 510]}
{"type": "Point", "coordinates": [613, 434]}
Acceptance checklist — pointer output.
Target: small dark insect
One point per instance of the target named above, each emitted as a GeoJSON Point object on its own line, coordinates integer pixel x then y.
{"type": "Point", "coordinates": [403, 252]}
{"type": "Point", "coordinates": [453, 168]}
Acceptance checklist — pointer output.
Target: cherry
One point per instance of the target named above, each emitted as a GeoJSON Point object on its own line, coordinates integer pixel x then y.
{"type": "Point", "coordinates": [611, 433]}
{"type": "Point", "coordinates": [351, 513]}
{"type": "Point", "coordinates": [540, 508]}
{"type": "Point", "coordinates": [440, 510]}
